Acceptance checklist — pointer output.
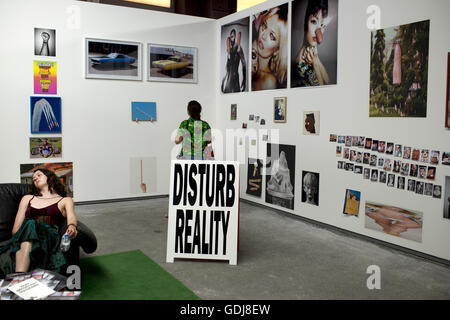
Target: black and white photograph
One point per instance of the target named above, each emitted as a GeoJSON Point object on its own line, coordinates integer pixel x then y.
{"type": "Point", "coordinates": [411, 185]}
{"type": "Point", "coordinates": [401, 183]}
{"type": "Point", "coordinates": [374, 175]}
{"type": "Point", "coordinates": [310, 187]}
{"type": "Point", "coordinates": [340, 164]}
{"type": "Point", "coordinates": [280, 178]}
{"type": "Point", "coordinates": [437, 191]}
{"type": "Point", "coordinates": [374, 145]}
{"type": "Point", "coordinates": [380, 162]}
{"type": "Point", "coordinates": [428, 190]}
{"type": "Point", "coordinates": [45, 42]}
{"type": "Point", "coordinates": [234, 56]}
{"type": "Point", "coordinates": [368, 144]}
{"type": "Point", "coordinates": [391, 180]}
{"type": "Point", "coordinates": [112, 59]}
{"type": "Point", "coordinates": [397, 166]}
{"type": "Point", "coordinates": [390, 148]}
{"type": "Point", "coordinates": [383, 176]}
{"type": "Point", "coordinates": [366, 173]}
{"type": "Point", "coordinates": [422, 172]}
{"type": "Point", "coordinates": [373, 160]}
{"type": "Point", "coordinates": [358, 169]}
{"type": "Point", "coordinates": [366, 158]}
{"type": "Point", "coordinates": [419, 187]}
{"type": "Point", "coordinates": [398, 150]}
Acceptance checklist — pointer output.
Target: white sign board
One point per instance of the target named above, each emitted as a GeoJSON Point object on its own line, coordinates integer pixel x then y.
{"type": "Point", "coordinates": [203, 210]}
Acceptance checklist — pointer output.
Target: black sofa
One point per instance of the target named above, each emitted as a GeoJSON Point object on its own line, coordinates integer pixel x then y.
{"type": "Point", "coordinates": [10, 196]}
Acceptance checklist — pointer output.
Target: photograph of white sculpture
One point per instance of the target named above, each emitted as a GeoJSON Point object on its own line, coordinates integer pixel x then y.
{"type": "Point", "coordinates": [280, 180]}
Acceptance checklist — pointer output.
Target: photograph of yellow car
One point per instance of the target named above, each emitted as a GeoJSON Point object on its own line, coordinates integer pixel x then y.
{"type": "Point", "coordinates": [172, 63]}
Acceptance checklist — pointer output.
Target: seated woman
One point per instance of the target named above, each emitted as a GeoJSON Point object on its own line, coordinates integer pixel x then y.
{"type": "Point", "coordinates": [36, 242]}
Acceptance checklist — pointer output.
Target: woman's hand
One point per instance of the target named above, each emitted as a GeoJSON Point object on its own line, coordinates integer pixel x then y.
{"type": "Point", "coordinates": [72, 231]}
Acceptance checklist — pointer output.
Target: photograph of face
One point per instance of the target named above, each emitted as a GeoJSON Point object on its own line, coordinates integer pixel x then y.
{"type": "Point", "coordinates": [446, 158]}
{"type": "Point", "coordinates": [310, 187]}
{"type": "Point", "coordinates": [447, 198]}
{"type": "Point", "coordinates": [381, 146]}
{"type": "Point", "coordinates": [311, 122]}
{"type": "Point", "coordinates": [397, 166]}
{"type": "Point", "coordinates": [366, 158]}
{"type": "Point", "coordinates": [280, 179]}
{"type": "Point", "coordinates": [44, 42]}
{"type": "Point", "coordinates": [428, 189]}
{"type": "Point", "coordinates": [389, 148]}
{"type": "Point", "coordinates": [387, 165]}
{"type": "Point", "coordinates": [411, 185]}
{"type": "Point", "coordinates": [383, 175]}
{"type": "Point", "coordinates": [340, 165]}
{"type": "Point", "coordinates": [338, 151]}
{"type": "Point", "coordinates": [270, 49]}
{"type": "Point", "coordinates": [355, 141]}
{"type": "Point", "coordinates": [415, 154]}
{"type": "Point", "coordinates": [341, 139]}
{"type": "Point", "coordinates": [374, 145]}
{"type": "Point", "coordinates": [419, 187]}
{"type": "Point", "coordinates": [401, 183]}
{"type": "Point", "coordinates": [437, 191]}
{"type": "Point", "coordinates": [405, 169]}
{"type": "Point", "coordinates": [431, 172]}
{"type": "Point", "coordinates": [352, 155]}
{"type": "Point", "coordinates": [373, 160]}
{"type": "Point", "coordinates": [234, 55]}
{"type": "Point", "coordinates": [413, 172]}
{"type": "Point", "coordinates": [349, 167]}
{"type": "Point", "coordinates": [359, 157]}
{"type": "Point", "coordinates": [358, 169]}
{"type": "Point", "coordinates": [314, 43]}
{"type": "Point", "coordinates": [424, 155]}
{"type": "Point", "coordinates": [391, 180]}
{"type": "Point", "coordinates": [422, 172]}
{"type": "Point", "coordinates": [351, 203]}
{"type": "Point", "coordinates": [403, 223]}
{"type": "Point", "coordinates": [366, 173]}
{"type": "Point", "coordinates": [400, 91]}
{"type": "Point", "coordinates": [361, 142]}
{"type": "Point", "coordinates": [398, 150]}
{"type": "Point", "coordinates": [368, 144]}
{"type": "Point", "coordinates": [374, 175]}
{"type": "Point", "coordinates": [380, 162]}
{"type": "Point", "coordinates": [434, 157]}
{"type": "Point", "coordinates": [348, 141]}
{"type": "Point", "coordinates": [406, 152]}
{"type": "Point", "coordinates": [279, 111]}
{"type": "Point", "coordinates": [346, 153]}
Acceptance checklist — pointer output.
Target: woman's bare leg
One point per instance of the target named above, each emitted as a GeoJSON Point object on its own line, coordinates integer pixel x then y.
{"type": "Point", "coordinates": [23, 257]}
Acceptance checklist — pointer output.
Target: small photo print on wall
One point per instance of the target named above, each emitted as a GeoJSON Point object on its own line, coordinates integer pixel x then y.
{"type": "Point", "coordinates": [63, 170]}
{"type": "Point", "coordinates": [254, 177]}
{"type": "Point", "coordinates": [46, 147]}
{"type": "Point", "coordinates": [445, 158]}
{"type": "Point", "coordinates": [310, 187]}
{"type": "Point", "coordinates": [45, 77]}
{"type": "Point", "coordinates": [143, 177]}
{"type": "Point", "coordinates": [311, 123]}
{"type": "Point", "coordinates": [400, 222]}
{"type": "Point", "coordinates": [45, 114]}
{"type": "Point", "coordinates": [233, 112]}
{"type": "Point", "coordinates": [44, 42]}
{"type": "Point", "coordinates": [279, 110]}
{"type": "Point", "coordinates": [143, 111]}
{"type": "Point", "coordinates": [280, 179]}
{"type": "Point", "coordinates": [234, 56]}
{"type": "Point", "coordinates": [314, 34]}
{"type": "Point", "coordinates": [447, 101]}
{"type": "Point", "coordinates": [351, 203]}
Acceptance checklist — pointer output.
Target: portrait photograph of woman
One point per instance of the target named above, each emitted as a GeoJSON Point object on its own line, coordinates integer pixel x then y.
{"type": "Point", "coordinates": [270, 49]}
{"type": "Point", "coordinates": [314, 43]}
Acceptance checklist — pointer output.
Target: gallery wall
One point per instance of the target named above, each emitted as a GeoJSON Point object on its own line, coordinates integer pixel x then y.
{"type": "Point", "coordinates": [344, 110]}
{"type": "Point", "coordinates": [98, 135]}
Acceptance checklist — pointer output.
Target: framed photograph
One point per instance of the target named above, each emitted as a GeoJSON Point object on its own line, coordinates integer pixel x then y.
{"type": "Point", "coordinates": [170, 63]}
{"type": "Point", "coordinates": [311, 122]}
{"type": "Point", "coordinates": [112, 59]}
{"type": "Point", "coordinates": [310, 187]}
{"type": "Point", "coordinates": [45, 114]}
{"type": "Point", "coordinates": [63, 170]}
{"type": "Point", "coordinates": [44, 42]}
{"type": "Point", "coordinates": [143, 111]}
{"type": "Point", "coordinates": [447, 101]}
{"type": "Point", "coordinates": [233, 113]}
{"type": "Point", "coordinates": [45, 77]}
{"type": "Point", "coordinates": [46, 147]}
{"type": "Point", "coordinates": [279, 109]}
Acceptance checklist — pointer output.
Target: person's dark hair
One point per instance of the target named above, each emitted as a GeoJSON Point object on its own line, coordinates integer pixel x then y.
{"type": "Point", "coordinates": [194, 109]}
{"type": "Point", "coordinates": [313, 7]}
{"type": "Point", "coordinates": [233, 31]}
{"type": "Point", "coordinates": [54, 184]}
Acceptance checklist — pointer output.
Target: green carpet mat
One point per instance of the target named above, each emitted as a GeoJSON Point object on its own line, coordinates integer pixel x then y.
{"type": "Point", "coordinates": [129, 276]}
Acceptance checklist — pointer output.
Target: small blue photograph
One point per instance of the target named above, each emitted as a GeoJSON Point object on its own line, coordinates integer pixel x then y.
{"type": "Point", "coordinates": [143, 111]}
{"type": "Point", "coordinates": [45, 114]}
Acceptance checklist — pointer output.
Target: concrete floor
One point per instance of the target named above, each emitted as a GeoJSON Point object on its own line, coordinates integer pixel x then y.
{"type": "Point", "coordinates": [280, 257]}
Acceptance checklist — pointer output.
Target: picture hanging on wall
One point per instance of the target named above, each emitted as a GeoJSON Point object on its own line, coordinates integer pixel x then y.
{"type": "Point", "coordinates": [403, 223]}
{"type": "Point", "coordinates": [171, 63]}
{"type": "Point", "coordinates": [351, 203]}
{"type": "Point", "coordinates": [447, 101]}
{"type": "Point", "coordinates": [314, 43]}
{"type": "Point", "coordinates": [279, 109]}
{"type": "Point", "coordinates": [254, 177]}
{"type": "Point", "coordinates": [143, 111]}
{"type": "Point", "coordinates": [447, 198]}
{"type": "Point", "coordinates": [270, 48]}
{"type": "Point", "coordinates": [399, 71]}
{"type": "Point", "coordinates": [233, 112]}
{"type": "Point", "coordinates": [234, 56]}
{"type": "Point", "coordinates": [310, 187]}
{"type": "Point", "coordinates": [45, 114]}
{"type": "Point", "coordinates": [63, 170]}
{"type": "Point", "coordinates": [44, 42]}
{"type": "Point", "coordinates": [112, 59]}
{"type": "Point", "coordinates": [280, 179]}
{"type": "Point", "coordinates": [45, 77]}
{"type": "Point", "coordinates": [143, 175]}
{"type": "Point", "coordinates": [46, 147]}
{"type": "Point", "coordinates": [311, 122]}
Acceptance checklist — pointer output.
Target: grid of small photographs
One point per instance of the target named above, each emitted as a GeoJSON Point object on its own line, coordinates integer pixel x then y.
{"type": "Point", "coordinates": [395, 165]}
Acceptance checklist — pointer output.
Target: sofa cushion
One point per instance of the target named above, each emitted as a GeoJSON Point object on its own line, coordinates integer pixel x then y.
{"type": "Point", "coordinates": [10, 195]}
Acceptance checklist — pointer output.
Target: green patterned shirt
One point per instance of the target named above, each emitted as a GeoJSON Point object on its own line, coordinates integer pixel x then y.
{"type": "Point", "coordinates": [196, 136]}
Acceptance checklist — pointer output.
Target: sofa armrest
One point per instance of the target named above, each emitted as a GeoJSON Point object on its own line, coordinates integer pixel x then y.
{"type": "Point", "coordinates": [85, 239]}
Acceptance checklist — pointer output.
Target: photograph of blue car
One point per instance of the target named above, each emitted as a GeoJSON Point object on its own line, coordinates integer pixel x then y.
{"type": "Point", "coordinates": [109, 59]}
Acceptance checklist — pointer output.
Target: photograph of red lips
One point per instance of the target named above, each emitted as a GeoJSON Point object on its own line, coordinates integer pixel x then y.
{"type": "Point", "coordinates": [314, 43]}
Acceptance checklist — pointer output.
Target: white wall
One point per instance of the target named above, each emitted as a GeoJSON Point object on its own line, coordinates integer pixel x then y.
{"type": "Point", "coordinates": [98, 135]}
{"type": "Point", "coordinates": [344, 110]}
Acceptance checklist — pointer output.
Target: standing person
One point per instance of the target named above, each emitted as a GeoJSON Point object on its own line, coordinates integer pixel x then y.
{"type": "Point", "coordinates": [194, 134]}
{"type": "Point", "coordinates": [310, 70]}
{"type": "Point", "coordinates": [35, 242]}
{"type": "Point", "coordinates": [235, 56]}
